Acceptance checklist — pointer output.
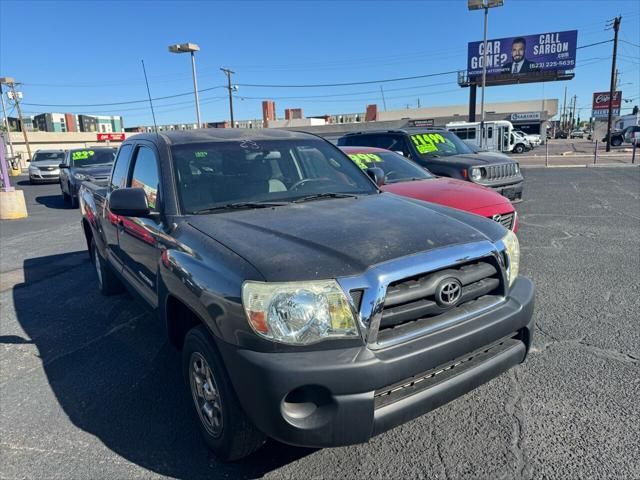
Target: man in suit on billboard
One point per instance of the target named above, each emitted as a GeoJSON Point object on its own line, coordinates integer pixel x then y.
{"type": "Point", "coordinates": [518, 64]}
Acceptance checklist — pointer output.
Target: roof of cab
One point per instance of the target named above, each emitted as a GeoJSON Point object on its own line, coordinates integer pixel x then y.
{"type": "Point", "coordinates": [179, 137]}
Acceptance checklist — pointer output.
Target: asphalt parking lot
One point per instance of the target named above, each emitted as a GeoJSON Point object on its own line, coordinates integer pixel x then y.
{"type": "Point", "coordinates": [89, 387]}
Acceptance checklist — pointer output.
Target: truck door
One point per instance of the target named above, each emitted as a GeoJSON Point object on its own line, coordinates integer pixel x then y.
{"type": "Point", "coordinates": [110, 223]}
{"type": "Point", "coordinates": [138, 236]}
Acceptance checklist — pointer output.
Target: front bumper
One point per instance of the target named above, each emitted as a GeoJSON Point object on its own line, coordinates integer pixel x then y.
{"type": "Point", "coordinates": [513, 192]}
{"type": "Point", "coordinates": [340, 397]}
{"type": "Point", "coordinates": [44, 176]}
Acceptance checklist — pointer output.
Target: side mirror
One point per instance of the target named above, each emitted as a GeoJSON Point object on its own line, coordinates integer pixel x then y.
{"type": "Point", "coordinates": [129, 202]}
{"type": "Point", "coordinates": [376, 174]}
{"type": "Point", "coordinates": [63, 165]}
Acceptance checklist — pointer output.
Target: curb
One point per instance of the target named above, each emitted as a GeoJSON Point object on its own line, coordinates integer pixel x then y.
{"type": "Point", "coordinates": [597, 165]}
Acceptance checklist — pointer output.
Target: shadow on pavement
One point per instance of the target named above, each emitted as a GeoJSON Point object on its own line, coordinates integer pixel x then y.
{"type": "Point", "coordinates": [52, 201]}
{"type": "Point", "coordinates": [114, 374]}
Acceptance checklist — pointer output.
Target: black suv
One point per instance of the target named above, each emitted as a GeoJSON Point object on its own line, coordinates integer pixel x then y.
{"type": "Point", "coordinates": [444, 154]}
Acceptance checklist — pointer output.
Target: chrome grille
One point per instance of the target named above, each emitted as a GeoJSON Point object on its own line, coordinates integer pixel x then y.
{"type": "Point", "coordinates": [498, 172]}
{"type": "Point", "coordinates": [413, 302]}
{"type": "Point", "coordinates": [505, 219]}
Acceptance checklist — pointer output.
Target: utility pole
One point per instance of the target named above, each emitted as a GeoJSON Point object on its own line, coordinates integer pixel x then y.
{"type": "Point", "coordinates": [228, 73]}
{"type": "Point", "coordinates": [612, 88]}
{"type": "Point", "coordinates": [573, 115]}
{"type": "Point", "coordinates": [384, 102]}
{"type": "Point", "coordinates": [564, 106]}
{"type": "Point", "coordinates": [6, 122]}
{"type": "Point", "coordinates": [12, 85]}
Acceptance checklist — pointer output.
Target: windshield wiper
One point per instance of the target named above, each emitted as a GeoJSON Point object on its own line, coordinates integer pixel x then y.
{"type": "Point", "coordinates": [240, 205]}
{"type": "Point", "coordinates": [317, 196]}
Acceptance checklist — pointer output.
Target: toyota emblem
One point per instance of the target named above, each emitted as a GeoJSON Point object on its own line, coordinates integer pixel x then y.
{"type": "Point", "coordinates": [449, 292]}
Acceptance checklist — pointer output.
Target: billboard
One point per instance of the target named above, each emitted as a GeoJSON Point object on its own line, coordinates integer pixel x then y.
{"type": "Point", "coordinates": [114, 137]}
{"type": "Point", "coordinates": [525, 56]}
{"type": "Point", "coordinates": [600, 105]}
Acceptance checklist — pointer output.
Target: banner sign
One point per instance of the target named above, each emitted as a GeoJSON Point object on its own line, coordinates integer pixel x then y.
{"type": "Point", "coordinates": [518, 56]}
{"type": "Point", "coordinates": [519, 117]}
{"type": "Point", "coordinates": [113, 137]}
{"type": "Point", "coordinates": [600, 105]}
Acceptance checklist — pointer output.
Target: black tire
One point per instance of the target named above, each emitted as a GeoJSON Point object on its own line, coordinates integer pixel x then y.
{"type": "Point", "coordinates": [519, 148]}
{"type": "Point", "coordinates": [234, 436]}
{"type": "Point", "coordinates": [73, 201]}
{"type": "Point", "coordinates": [65, 198]}
{"type": "Point", "coordinates": [616, 141]}
{"type": "Point", "coordinates": [108, 283]}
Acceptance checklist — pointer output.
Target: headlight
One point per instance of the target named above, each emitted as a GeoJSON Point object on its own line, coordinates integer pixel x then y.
{"type": "Point", "coordinates": [513, 255]}
{"type": "Point", "coordinates": [80, 176]}
{"type": "Point", "coordinates": [475, 174]}
{"type": "Point", "coordinates": [298, 313]}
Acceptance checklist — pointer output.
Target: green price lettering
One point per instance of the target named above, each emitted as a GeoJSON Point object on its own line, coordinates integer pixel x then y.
{"type": "Point", "coordinates": [427, 142]}
{"type": "Point", "coordinates": [201, 154]}
{"type": "Point", "coordinates": [364, 159]}
{"type": "Point", "coordinates": [82, 154]}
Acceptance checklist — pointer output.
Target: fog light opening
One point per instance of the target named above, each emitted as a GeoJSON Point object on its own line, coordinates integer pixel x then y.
{"type": "Point", "coordinates": [308, 406]}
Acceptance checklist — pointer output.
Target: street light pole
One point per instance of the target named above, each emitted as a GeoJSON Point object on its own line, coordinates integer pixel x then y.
{"type": "Point", "coordinates": [191, 48]}
{"type": "Point", "coordinates": [195, 88]}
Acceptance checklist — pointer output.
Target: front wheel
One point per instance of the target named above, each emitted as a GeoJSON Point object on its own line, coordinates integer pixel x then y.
{"type": "Point", "coordinates": [225, 427]}
{"type": "Point", "coordinates": [519, 148]}
{"type": "Point", "coordinates": [616, 141]}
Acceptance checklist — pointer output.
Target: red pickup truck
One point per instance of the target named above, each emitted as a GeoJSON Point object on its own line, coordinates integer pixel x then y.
{"type": "Point", "coordinates": [407, 179]}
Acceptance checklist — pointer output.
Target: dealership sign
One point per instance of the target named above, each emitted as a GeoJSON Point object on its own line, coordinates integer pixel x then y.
{"type": "Point", "coordinates": [600, 106]}
{"type": "Point", "coordinates": [519, 56]}
{"type": "Point", "coordinates": [112, 137]}
{"type": "Point", "coordinates": [520, 117]}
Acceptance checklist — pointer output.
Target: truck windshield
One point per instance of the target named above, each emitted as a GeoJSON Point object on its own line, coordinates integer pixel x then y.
{"type": "Point", "coordinates": [396, 168]}
{"type": "Point", "coordinates": [91, 157]}
{"type": "Point", "coordinates": [217, 174]}
{"type": "Point", "coordinates": [48, 157]}
{"type": "Point", "coordinates": [440, 144]}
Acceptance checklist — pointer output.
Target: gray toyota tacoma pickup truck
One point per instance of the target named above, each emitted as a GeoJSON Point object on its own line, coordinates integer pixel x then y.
{"type": "Point", "coordinates": [309, 306]}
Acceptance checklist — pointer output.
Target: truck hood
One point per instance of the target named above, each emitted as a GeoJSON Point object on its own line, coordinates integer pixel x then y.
{"type": "Point", "coordinates": [95, 172]}
{"type": "Point", "coordinates": [338, 237]}
{"type": "Point", "coordinates": [46, 163]}
{"type": "Point", "coordinates": [451, 193]}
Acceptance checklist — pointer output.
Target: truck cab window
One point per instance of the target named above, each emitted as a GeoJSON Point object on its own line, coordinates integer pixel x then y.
{"type": "Point", "coordinates": [121, 167]}
{"type": "Point", "coordinates": [145, 175]}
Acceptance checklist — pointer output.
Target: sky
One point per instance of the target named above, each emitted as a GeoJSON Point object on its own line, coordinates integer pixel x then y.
{"type": "Point", "coordinates": [69, 54]}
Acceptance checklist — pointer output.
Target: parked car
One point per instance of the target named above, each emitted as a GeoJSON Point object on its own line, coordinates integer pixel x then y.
{"type": "Point", "coordinates": [444, 154]}
{"type": "Point", "coordinates": [80, 164]}
{"type": "Point", "coordinates": [310, 307]}
{"type": "Point", "coordinates": [533, 138]}
{"type": "Point", "coordinates": [44, 166]}
{"type": "Point", "coordinates": [521, 143]}
{"type": "Point", "coordinates": [577, 134]}
{"type": "Point", "coordinates": [631, 133]}
{"type": "Point", "coordinates": [405, 178]}
{"type": "Point", "coordinates": [617, 138]}
{"type": "Point", "coordinates": [561, 134]}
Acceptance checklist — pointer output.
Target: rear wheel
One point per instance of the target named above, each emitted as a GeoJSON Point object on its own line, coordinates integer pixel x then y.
{"type": "Point", "coordinates": [108, 283]}
{"type": "Point", "coordinates": [616, 141]}
{"type": "Point", "coordinates": [225, 427]}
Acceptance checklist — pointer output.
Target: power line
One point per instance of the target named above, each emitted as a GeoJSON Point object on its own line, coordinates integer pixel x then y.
{"type": "Point", "coordinates": [347, 84]}
{"type": "Point", "coordinates": [593, 44]}
{"type": "Point", "coordinates": [631, 43]}
{"type": "Point", "coordinates": [128, 102]}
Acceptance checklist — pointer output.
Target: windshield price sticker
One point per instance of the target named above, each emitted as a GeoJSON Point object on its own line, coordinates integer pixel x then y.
{"type": "Point", "coordinates": [427, 142]}
{"type": "Point", "coordinates": [82, 154]}
{"type": "Point", "coordinates": [201, 154]}
{"type": "Point", "coordinates": [364, 159]}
